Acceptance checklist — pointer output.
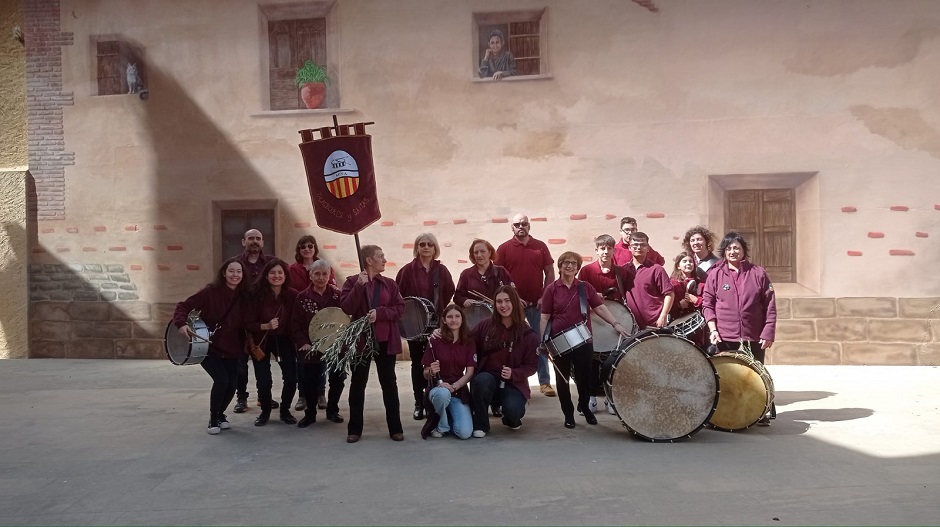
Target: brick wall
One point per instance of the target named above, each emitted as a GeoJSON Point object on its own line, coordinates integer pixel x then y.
{"type": "Point", "coordinates": [857, 330]}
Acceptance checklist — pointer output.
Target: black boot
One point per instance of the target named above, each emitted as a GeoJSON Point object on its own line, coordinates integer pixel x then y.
{"type": "Point", "coordinates": [309, 419]}
{"type": "Point", "coordinates": [263, 418]}
{"type": "Point", "coordinates": [287, 417]}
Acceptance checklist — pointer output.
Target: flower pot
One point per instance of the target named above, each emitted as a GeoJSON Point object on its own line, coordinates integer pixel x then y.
{"type": "Point", "coordinates": [313, 94]}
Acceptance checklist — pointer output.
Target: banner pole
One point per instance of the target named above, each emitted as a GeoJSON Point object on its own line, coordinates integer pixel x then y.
{"type": "Point", "coordinates": [362, 266]}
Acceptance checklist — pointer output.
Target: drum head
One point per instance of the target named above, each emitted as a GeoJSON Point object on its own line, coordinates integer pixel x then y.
{"type": "Point", "coordinates": [662, 386]}
{"type": "Point", "coordinates": [180, 350]}
{"type": "Point", "coordinates": [605, 338]}
{"type": "Point", "coordinates": [327, 324]}
{"type": "Point", "coordinates": [416, 317]}
{"type": "Point", "coordinates": [746, 392]}
{"type": "Point", "coordinates": [477, 313]}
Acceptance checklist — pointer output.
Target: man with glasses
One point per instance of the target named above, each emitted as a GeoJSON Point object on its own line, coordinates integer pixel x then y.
{"type": "Point", "coordinates": [530, 265]}
{"type": "Point", "coordinates": [622, 253]}
{"type": "Point", "coordinates": [652, 294]}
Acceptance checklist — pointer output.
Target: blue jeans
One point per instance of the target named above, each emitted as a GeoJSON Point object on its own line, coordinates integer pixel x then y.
{"type": "Point", "coordinates": [484, 391]}
{"type": "Point", "coordinates": [462, 423]}
{"type": "Point", "coordinates": [534, 317]}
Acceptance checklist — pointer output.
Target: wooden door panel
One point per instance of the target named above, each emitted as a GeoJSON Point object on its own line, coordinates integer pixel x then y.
{"type": "Point", "coordinates": [765, 218]}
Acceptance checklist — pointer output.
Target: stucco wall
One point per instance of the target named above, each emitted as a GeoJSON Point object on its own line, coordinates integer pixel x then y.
{"type": "Point", "coordinates": [640, 114]}
{"type": "Point", "coordinates": [12, 88]}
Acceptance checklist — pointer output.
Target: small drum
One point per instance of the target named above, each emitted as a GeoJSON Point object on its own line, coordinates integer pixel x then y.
{"type": "Point", "coordinates": [418, 319]}
{"type": "Point", "coordinates": [326, 326]}
{"type": "Point", "coordinates": [477, 313]}
{"type": "Point", "coordinates": [686, 325]}
{"type": "Point", "coordinates": [181, 350]}
{"type": "Point", "coordinates": [605, 338]}
{"type": "Point", "coordinates": [662, 386]}
{"type": "Point", "coordinates": [747, 391]}
{"type": "Point", "coordinates": [566, 341]}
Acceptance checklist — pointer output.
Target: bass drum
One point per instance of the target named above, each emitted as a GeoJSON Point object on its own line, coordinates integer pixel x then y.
{"type": "Point", "coordinates": [606, 339]}
{"type": "Point", "coordinates": [477, 313]}
{"type": "Point", "coordinates": [662, 387]}
{"type": "Point", "coordinates": [418, 318]}
{"type": "Point", "coordinates": [747, 391]}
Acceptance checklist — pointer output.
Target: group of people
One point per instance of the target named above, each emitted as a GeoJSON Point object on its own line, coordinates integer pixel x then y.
{"type": "Point", "coordinates": [492, 325]}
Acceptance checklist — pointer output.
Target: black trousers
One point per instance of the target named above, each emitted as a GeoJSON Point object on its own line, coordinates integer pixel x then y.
{"type": "Point", "coordinates": [485, 392]}
{"type": "Point", "coordinates": [222, 372]}
{"type": "Point", "coordinates": [281, 346]}
{"type": "Point", "coordinates": [385, 369]}
{"type": "Point", "coordinates": [242, 381]}
{"type": "Point", "coordinates": [581, 359]}
{"type": "Point", "coordinates": [418, 382]}
{"type": "Point", "coordinates": [310, 375]}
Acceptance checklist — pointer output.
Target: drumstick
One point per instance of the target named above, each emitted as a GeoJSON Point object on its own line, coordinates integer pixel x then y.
{"type": "Point", "coordinates": [502, 382]}
{"type": "Point", "coordinates": [481, 296]}
{"type": "Point", "coordinates": [195, 336]}
{"type": "Point", "coordinates": [558, 371]}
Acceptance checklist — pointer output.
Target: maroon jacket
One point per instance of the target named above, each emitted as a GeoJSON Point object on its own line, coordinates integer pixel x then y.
{"type": "Point", "coordinates": [306, 304]}
{"type": "Point", "coordinates": [742, 303]}
{"type": "Point", "coordinates": [680, 288]}
{"type": "Point", "coordinates": [563, 304]}
{"type": "Point", "coordinates": [228, 341]}
{"type": "Point", "coordinates": [300, 277]}
{"type": "Point", "coordinates": [252, 270]}
{"type": "Point", "coordinates": [492, 347]}
{"type": "Point", "coordinates": [487, 283]}
{"type": "Point", "coordinates": [356, 300]}
{"type": "Point", "coordinates": [263, 306]}
{"type": "Point", "coordinates": [414, 280]}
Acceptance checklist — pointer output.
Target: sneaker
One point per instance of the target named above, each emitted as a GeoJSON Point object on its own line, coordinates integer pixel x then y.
{"type": "Point", "coordinates": [321, 402]}
{"type": "Point", "coordinates": [435, 433]}
{"type": "Point", "coordinates": [241, 406]}
{"type": "Point", "coordinates": [274, 405]}
{"type": "Point", "coordinates": [223, 423]}
{"type": "Point", "coordinates": [764, 421]}
{"type": "Point", "coordinates": [610, 408]}
{"type": "Point", "coordinates": [213, 426]}
{"type": "Point", "coordinates": [516, 426]}
{"type": "Point", "coordinates": [547, 390]}
{"type": "Point", "coordinates": [301, 404]}
{"type": "Point", "coordinates": [478, 433]}
{"type": "Point", "coordinates": [592, 405]}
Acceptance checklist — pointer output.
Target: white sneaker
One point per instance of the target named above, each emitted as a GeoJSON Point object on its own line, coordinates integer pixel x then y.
{"type": "Point", "coordinates": [592, 405]}
{"type": "Point", "coordinates": [435, 433]}
{"type": "Point", "coordinates": [213, 427]}
{"type": "Point", "coordinates": [478, 433]}
{"type": "Point", "coordinates": [223, 423]}
{"type": "Point", "coordinates": [610, 408]}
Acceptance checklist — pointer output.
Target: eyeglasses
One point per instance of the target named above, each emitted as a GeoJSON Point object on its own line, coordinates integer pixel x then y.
{"type": "Point", "coordinates": [521, 224]}
{"type": "Point", "coordinates": [628, 230]}
{"type": "Point", "coordinates": [425, 244]}
{"type": "Point", "coordinates": [639, 245]}
{"type": "Point", "coordinates": [307, 246]}
{"type": "Point", "coordinates": [569, 263]}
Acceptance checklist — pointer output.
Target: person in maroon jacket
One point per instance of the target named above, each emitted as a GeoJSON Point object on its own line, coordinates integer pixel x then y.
{"type": "Point", "coordinates": [651, 297]}
{"type": "Point", "coordinates": [310, 367]}
{"type": "Point", "coordinates": [507, 354]}
{"type": "Point", "coordinates": [562, 310]}
{"type": "Point", "coordinates": [425, 277]}
{"type": "Point", "coordinates": [686, 287]}
{"type": "Point", "coordinates": [739, 303]}
{"type": "Point", "coordinates": [271, 302]}
{"type": "Point", "coordinates": [305, 254]}
{"type": "Point", "coordinates": [608, 279]}
{"type": "Point", "coordinates": [700, 242]}
{"type": "Point", "coordinates": [371, 294]}
{"type": "Point", "coordinates": [483, 277]}
{"type": "Point", "coordinates": [450, 360]}
{"type": "Point", "coordinates": [622, 253]}
{"type": "Point", "coordinates": [253, 261]}
{"type": "Point", "coordinates": [220, 308]}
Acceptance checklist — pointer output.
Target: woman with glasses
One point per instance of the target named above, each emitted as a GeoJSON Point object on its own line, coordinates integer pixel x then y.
{"type": "Point", "coordinates": [483, 278]}
{"type": "Point", "coordinates": [566, 303]}
{"type": "Point", "coordinates": [424, 277]}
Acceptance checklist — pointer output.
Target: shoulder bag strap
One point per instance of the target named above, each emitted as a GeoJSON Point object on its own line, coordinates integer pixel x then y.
{"type": "Point", "coordinates": [583, 294]}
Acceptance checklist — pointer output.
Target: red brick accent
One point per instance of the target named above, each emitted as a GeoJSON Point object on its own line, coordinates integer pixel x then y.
{"type": "Point", "coordinates": [100, 228]}
{"type": "Point", "coordinates": [301, 224]}
{"type": "Point", "coordinates": [174, 247]}
{"type": "Point", "coordinates": [163, 267]}
{"type": "Point", "coordinates": [38, 250]}
{"type": "Point", "coordinates": [676, 238]}
{"type": "Point", "coordinates": [88, 249]}
{"type": "Point", "coordinates": [556, 241]}
{"type": "Point", "coordinates": [849, 209]}
{"type": "Point", "coordinates": [899, 208]}
{"type": "Point", "coordinates": [63, 250]}
{"type": "Point", "coordinates": [132, 228]}
{"type": "Point", "coordinates": [428, 223]}
{"type": "Point", "coordinates": [117, 249]}
{"type": "Point", "coordinates": [387, 223]}
{"type": "Point", "coordinates": [460, 260]}
{"type": "Point", "coordinates": [391, 264]}
{"type": "Point", "coordinates": [192, 267]}
{"type": "Point", "coordinates": [587, 259]}
{"type": "Point", "coordinates": [148, 248]}
{"type": "Point", "coordinates": [137, 267]}
{"type": "Point", "coordinates": [500, 220]}
{"type": "Point", "coordinates": [460, 221]}
{"type": "Point", "coordinates": [655, 215]}
{"type": "Point", "coordinates": [407, 246]}
{"type": "Point", "coordinates": [348, 265]}
{"type": "Point", "coordinates": [577, 217]}
{"type": "Point", "coordinates": [854, 253]}
{"type": "Point", "coordinates": [609, 216]}
{"type": "Point", "coordinates": [48, 230]}
{"type": "Point", "coordinates": [72, 230]}
{"type": "Point", "coordinates": [540, 218]}
{"type": "Point", "coordinates": [920, 234]}
{"type": "Point", "coordinates": [447, 244]}
{"type": "Point", "coordinates": [936, 207]}
{"type": "Point", "coordinates": [876, 235]}
{"type": "Point", "coordinates": [901, 252]}
{"type": "Point", "coordinates": [329, 246]}
{"type": "Point", "coordinates": [159, 227]}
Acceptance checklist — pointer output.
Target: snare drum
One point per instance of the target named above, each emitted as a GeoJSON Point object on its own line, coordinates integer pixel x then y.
{"type": "Point", "coordinates": [662, 386]}
{"type": "Point", "coordinates": [606, 339]}
{"type": "Point", "coordinates": [566, 341]}
{"type": "Point", "coordinates": [326, 326]}
{"type": "Point", "coordinates": [747, 391]}
{"type": "Point", "coordinates": [686, 325]}
{"type": "Point", "coordinates": [418, 318]}
{"type": "Point", "coordinates": [184, 351]}
{"type": "Point", "coordinates": [477, 313]}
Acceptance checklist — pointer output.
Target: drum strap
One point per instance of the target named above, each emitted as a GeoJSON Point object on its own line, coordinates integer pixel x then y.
{"type": "Point", "coordinates": [375, 294]}
{"type": "Point", "coordinates": [583, 294]}
{"type": "Point", "coordinates": [228, 310]}
{"type": "Point", "coordinates": [436, 286]}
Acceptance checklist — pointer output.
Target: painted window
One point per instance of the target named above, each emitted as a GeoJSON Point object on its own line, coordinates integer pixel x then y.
{"type": "Point", "coordinates": [290, 44]}
{"type": "Point", "coordinates": [511, 43]}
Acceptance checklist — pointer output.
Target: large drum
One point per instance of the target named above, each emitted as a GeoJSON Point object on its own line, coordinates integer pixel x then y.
{"type": "Point", "coordinates": [326, 326]}
{"type": "Point", "coordinates": [182, 350]}
{"type": "Point", "coordinates": [477, 313]}
{"type": "Point", "coordinates": [662, 387]}
{"type": "Point", "coordinates": [747, 391]}
{"type": "Point", "coordinates": [418, 319]}
{"type": "Point", "coordinates": [606, 339]}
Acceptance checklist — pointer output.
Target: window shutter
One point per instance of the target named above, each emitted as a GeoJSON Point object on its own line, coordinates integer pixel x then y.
{"type": "Point", "coordinates": [291, 43]}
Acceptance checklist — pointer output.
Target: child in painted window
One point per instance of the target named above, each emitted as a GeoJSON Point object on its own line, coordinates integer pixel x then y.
{"type": "Point", "coordinates": [497, 62]}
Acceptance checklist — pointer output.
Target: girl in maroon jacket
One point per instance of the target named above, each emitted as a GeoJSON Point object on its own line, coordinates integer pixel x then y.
{"type": "Point", "coordinates": [739, 304]}
{"type": "Point", "coordinates": [220, 308]}
{"type": "Point", "coordinates": [686, 287]}
{"type": "Point", "coordinates": [271, 302]}
{"type": "Point", "coordinates": [450, 361]}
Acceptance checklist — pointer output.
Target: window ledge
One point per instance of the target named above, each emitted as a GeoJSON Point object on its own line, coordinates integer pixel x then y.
{"type": "Point", "coordinates": [293, 113]}
{"type": "Point", "coordinates": [518, 78]}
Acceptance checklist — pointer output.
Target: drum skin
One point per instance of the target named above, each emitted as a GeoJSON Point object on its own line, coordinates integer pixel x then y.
{"type": "Point", "coordinates": [327, 324]}
{"type": "Point", "coordinates": [417, 318]}
{"type": "Point", "coordinates": [605, 337]}
{"type": "Point", "coordinates": [747, 391]}
{"type": "Point", "coordinates": [182, 351]}
{"type": "Point", "coordinates": [477, 313]}
{"type": "Point", "coordinates": [663, 387]}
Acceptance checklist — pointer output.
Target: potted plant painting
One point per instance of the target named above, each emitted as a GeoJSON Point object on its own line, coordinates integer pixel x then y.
{"type": "Point", "coordinates": [312, 81]}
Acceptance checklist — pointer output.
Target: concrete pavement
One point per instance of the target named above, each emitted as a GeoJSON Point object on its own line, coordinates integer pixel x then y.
{"type": "Point", "coordinates": [124, 443]}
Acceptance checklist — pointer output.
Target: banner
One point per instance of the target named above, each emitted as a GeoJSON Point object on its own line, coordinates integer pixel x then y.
{"type": "Point", "coordinates": [341, 180]}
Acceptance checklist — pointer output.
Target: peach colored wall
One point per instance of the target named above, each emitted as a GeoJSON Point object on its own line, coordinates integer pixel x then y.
{"type": "Point", "coordinates": [641, 108]}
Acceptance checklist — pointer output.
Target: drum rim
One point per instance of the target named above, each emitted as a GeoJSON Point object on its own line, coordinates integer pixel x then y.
{"type": "Point", "coordinates": [643, 336]}
{"type": "Point", "coordinates": [431, 316]}
{"type": "Point", "coordinates": [770, 390]}
{"type": "Point", "coordinates": [199, 327]}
